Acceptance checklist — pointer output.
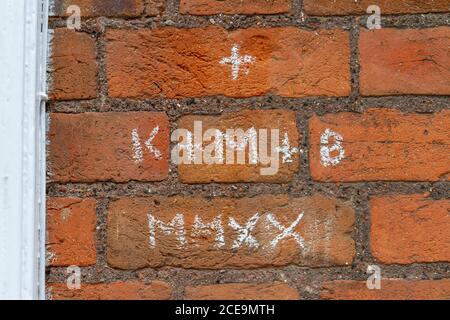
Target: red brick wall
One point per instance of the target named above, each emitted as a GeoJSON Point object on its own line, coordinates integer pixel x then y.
{"type": "Point", "coordinates": [363, 162]}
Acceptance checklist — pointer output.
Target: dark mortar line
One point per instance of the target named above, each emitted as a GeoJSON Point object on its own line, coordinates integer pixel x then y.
{"type": "Point", "coordinates": [234, 22]}
{"type": "Point", "coordinates": [217, 105]}
{"type": "Point", "coordinates": [354, 62]}
{"type": "Point", "coordinates": [102, 89]}
{"type": "Point", "coordinates": [437, 190]}
{"type": "Point", "coordinates": [308, 281]}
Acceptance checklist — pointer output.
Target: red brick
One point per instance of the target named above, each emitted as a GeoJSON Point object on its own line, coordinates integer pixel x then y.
{"type": "Point", "coordinates": [411, 61]}
{"type": "Point", "coordinates": [74, 66]}
{"type": "Point", "coordinates": [131, 290]}
{"type": "Point", "coordinates": [71, 224]}
{"type": "Point", "coordinates": [410, 228]}
{"type": "Point", "coordinates": [323, 233]}
{"type": "Point", "coordinates": [93, 147]}
{"type": "Point", "coordinates": [390, 290]}
{"type": "Point", "coordinates": [97, 8]}
{"type": "Point", "coordinates": [155, 7]}
{"type": "Point", "coordinates": [282, 120]}
{"type": "Point", "coordinates": [383, 145]}
{"type": "Point", "coordinates": [208, 7]}
{"type": "Point", "coordinates": [242, 291]}
{"type": "Point", "coordinates": [347, 7]}
{"type": "Point", "coordinates": [174, 63]}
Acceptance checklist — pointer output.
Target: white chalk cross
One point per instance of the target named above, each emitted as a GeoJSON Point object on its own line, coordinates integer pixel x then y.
{"type": "Point", "coordinates": [286, 150]}
{"type": "Point", "coordinates": [235, 60]}
{"type": "Point", "coordinates": [286, 232]}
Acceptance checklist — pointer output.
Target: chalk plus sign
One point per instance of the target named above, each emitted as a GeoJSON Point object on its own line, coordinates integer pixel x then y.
{"type": "Point", "coordinates": [236, 60]}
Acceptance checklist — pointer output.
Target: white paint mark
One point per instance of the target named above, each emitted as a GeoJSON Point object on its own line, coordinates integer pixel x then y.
{"type": "Point", "coordinates": [286, 232]}
{"type": "Point", "coordinates": [215, 147]}
{"type": "Point", "coordinates": [235, 60]}
{"type": "Point", "coordinates": [245, 236]}
{"type": "Point", "coordinates": [50, 257]}
{"type": "Point", "coordinates": [151, 148]}
{"type": "Point", "coordinates": [286, 150]}
{"type": "Point", "coordinates": [268, 154]}
{"type": "Point", "coordinates": [73, 282]}
{"type": "Point", "coordinates": [374, 20]}
{"type": "Point", "coordinates": [200, 229]}
{"type": "Point", "coordinates": [236, 140]}
{"type": "Point", "coordinates": [65, 213]}
{"type": "Point", "coordinates": [328, 233]}
{"type": "Point", "coordinates": [326, 150]}
{"type": "Point", "coordinates": [138, 155]}
{"type": "Point", "coordinates": [176, 226]}
{"type": "Point", "coordinates": [183, 152]}
{"type": "Point", "coordinates": [74, 20]}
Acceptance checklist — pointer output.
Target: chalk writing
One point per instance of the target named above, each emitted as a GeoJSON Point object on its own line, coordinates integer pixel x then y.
{"type": "Point", "coordinates": [326, 150]}
{"type": "Point", "coordinates": [235, 60]}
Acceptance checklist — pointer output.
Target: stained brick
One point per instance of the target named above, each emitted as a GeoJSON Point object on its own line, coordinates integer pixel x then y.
{"type": "Point", "coordinates": [166, 231]}
{"type": "Point", "coordinates": [175, 63]}
{"type": "Point", "coordinates": [71, 226]}
{"type": "Point", "coordinates": [410, 228]}
{"type": "Point", "coordinates": [209, 7]}
{"type": "Point", "coordinates": [405, 61]}
{"type": "Point", "coordinates": [380, 145]}
{"type": "Point", "coordinates": [242, 291]}
{"type": "Point", "coordinates": [74, 65]}
{"type": "Point", "coordinates": [112, 146]}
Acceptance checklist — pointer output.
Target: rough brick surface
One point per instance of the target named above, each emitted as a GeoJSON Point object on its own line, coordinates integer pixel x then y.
{"type": "Point", "coordinates": [323, 234]}
{"type": "Point", "coordinates": [132, 290]}
{"type": "Point", "coordinates": [208, 7]}
{"type": "Point", "coordinates": [390, 290]}
{"type": "Point", "coordinates": [73, 61]}
{"type": "Point", "coordinates": [96, 8]}
{"type": "Point", "coordinates": [382, 144]}
{"type": "Point", "coordinates": [242, 291]}
{"type": "Point", "coordinates": [409, 229]}
{"type": "Point", "coordinates": [344, 7]}
{"type": "Point", "coordinates": [349, 185]}
{"type": "Point", "coordinates": [411, 61]}
{"type": "Point", "coordinates": [92, 147]}
{"type": "Point", "coordinates": [282, 120]}
{"type": "Point", "coordinates": [71, 226]}
{"type": "Point", "coordinates": [176, 63]}
{"type": "Point", "coordinates": [155, 7]}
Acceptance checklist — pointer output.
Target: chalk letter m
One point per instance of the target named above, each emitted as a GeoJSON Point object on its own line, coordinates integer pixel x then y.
{"type": "Point", "coordinates": [176, 226]}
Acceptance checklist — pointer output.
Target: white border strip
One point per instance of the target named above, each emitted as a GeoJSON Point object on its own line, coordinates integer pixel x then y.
{"type": "Point", "coordinates": [22, 190]}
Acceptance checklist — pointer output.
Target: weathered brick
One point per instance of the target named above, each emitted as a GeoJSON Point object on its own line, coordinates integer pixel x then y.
{"type": "Point", "coordinates": [74, 66]}
{"type": "Point", "coordinates": [131, 290]}
{"type": "Point", "coordinates": [283, 170]}
{"type": "Point", "coordinates": [410, 228]}
{"type": "Point", "coordinates": [112, 146]}
{"type": "Point", "coordinates": [71, 224]}
{"type": "Point", "coordinates": [174, 63]}
{"type": "Point", "coordinates": [208, 7]}
{"type": "Point", "coordinates": [405, 61]}
{"type": "Point", "coordinates": [380, 144]}
{"type": "Point", "coordinates": [97, 8]}
{"type": "Point", "coordinates": [242, 291]}
{"type": "Point", "coordinates": [136, 237]}
{"type": "Point", "coordinates": [390, 290]}
{"type": "Point", "coordinates": [155, 7]}
{"type": "Point", "coordinates": [345, 7]}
